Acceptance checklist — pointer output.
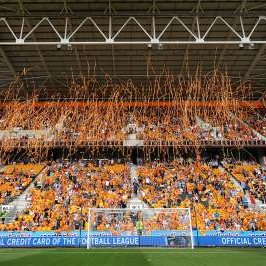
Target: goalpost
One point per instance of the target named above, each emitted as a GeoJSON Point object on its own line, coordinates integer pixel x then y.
{"type": "Point", "coordinates": [150, 227]}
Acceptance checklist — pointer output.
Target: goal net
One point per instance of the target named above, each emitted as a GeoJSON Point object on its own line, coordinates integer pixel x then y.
{"type": "Point", "coordinates": [139, 228]}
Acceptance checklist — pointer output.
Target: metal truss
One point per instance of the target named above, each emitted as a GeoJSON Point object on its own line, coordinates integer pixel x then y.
{"type": "Point", "coordinates": [196, 34]}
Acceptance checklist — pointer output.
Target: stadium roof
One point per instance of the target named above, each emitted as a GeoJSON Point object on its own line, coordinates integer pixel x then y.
{"type": "Point", "coordinates": [117, 38]}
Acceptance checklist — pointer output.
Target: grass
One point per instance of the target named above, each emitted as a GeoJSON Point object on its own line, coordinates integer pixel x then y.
{"type": "Point", "coordinates": [134, 257]}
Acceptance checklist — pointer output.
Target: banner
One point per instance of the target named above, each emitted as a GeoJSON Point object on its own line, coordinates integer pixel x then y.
{"type": "Point", "coordinates": [227, 241]}
{"type": "Point", "coordinates": [8, 242]}
{"type": "Point", "coordinates": [157, 239]}
{"type": "Point", "coordinates": [100, 241]}
{"type": "Point", "coordinates": [83, 233]}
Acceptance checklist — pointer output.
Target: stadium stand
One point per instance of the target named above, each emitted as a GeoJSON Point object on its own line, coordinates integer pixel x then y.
{"type": "Point", "coordinates": [217, 202]}
{"type": "Point", "coordinates": [67, 189]}
{"type": "Point", "coordinates": [14, 179]}
{"type": "Point", "coordinates": [61, 196]}
{"type": "Point", "coordinates": [252, 178]}
{"type": "Point", "coordinates": [257, 120]}
{"type": "Point", "coordinates": [156, 124]}
{"type": "Point", "coordinates": [132, 124]}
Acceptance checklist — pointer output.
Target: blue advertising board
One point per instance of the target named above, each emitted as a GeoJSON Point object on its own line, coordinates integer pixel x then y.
{"type": "Point", "coordinates": [103, 241]}
{"type": "Point", "coordinates": [157, 238]}
{"type": "Point", "coordinates": [230, 241]}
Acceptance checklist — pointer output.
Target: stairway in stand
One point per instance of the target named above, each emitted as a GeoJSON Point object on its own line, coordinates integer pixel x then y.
{"type": "Point", "coordinates": [20, 203]}
{"type": "Point", "coordinates": [135, 203]}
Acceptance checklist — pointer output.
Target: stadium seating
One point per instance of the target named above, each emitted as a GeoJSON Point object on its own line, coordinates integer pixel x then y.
{"type": "Point", "coordinates": [257, 120]}
{"type": "Point", "coordinates": [15, 178]}
{"type": "Point", "coordinates": [217, 202]}
{"type": "Point", "coordinates": [155, 125]}
{"type": "Point", "coordinates": [62, 195]}
{"type": "Point", "coordinates": [61, 198]}
{"type": "Point", "coordinates": [252, 179]}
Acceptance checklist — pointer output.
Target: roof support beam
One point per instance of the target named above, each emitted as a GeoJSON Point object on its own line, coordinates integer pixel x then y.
{"type": "Point", "coordinates": [67, 11]}
{"type": "Point", "coordinates": [197, 9]}
{"type": "Point", "coordinates": [75, 49]}
{"type": "Point", "coordinates": [25, 20]}
{"type": "Point", "coordinates": [240, 10]}
{"type": "Point", "coordinates": [110, 9]}
{"type": "Point", "coordinates": [201, 37]}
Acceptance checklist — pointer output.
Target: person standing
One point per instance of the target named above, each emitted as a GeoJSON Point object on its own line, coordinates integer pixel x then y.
{"type": "Point", "coordinates": [139, 226]}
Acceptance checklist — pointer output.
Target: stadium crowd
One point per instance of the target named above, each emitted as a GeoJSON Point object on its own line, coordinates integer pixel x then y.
{"type": "Point", "coordinates": [14, 179]}
{"type": "Point", "coordinates": [62, 195]}
{"type": "Point", "coordinates": [63, 192]}
{"type": "Point", "coordinates": [151, 125]}
{"type": "Point", "coordinates": [252, 178]}
{"type": "Point", "coordinates": [217, 202]}
{"type": "Point", "coordinates": [164, 126]}
{"type": "Point", "coordinates": [257, 120]}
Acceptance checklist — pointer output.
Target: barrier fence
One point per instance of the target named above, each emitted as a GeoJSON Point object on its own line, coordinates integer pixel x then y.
{"type": "Point", "coordinates": [18, 143]}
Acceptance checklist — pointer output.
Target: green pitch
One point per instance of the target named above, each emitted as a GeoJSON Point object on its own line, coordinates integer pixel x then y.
{"type": "Point", "coordinates": [134, 257]}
